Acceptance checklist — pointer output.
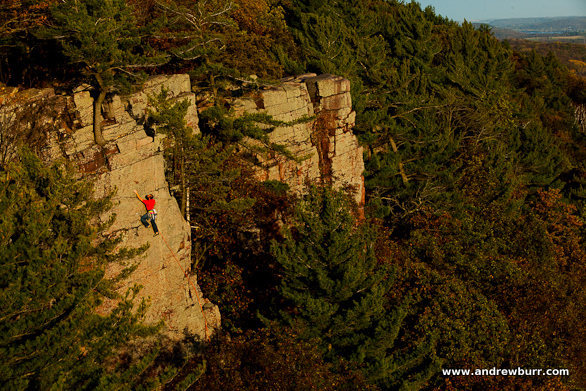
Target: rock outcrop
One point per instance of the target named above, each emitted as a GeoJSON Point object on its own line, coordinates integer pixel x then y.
{"type": "Point", "coordinates": [318, 108]}
{"type": "Point", "coordinates": [131, 160]}
{"type": "Point", "coordinates": [329, 150]}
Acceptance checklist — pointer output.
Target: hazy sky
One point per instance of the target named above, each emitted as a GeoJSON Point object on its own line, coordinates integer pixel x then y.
{"type": "Point", "coordinates": [472, 10]}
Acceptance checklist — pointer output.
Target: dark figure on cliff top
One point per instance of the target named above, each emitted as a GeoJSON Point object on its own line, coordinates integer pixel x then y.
{"type": "Point", "coordinates": [151, 214]}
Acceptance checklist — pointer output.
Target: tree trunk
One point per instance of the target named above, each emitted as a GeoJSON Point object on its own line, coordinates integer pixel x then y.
{"type": "Point", "coordinates": [404, 176]}
{"type": "Point", "coordinates": [183, 186]}
{"type": "Point", "coordinates": [187, 214]}
{"type": "Point", "coordinates": [98, 136]}
{"type": "Point", "coordinates": [212, 80]}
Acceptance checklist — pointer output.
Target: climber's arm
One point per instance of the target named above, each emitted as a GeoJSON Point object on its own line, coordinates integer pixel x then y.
{"type": "Point", "coordinates": [138, 196]}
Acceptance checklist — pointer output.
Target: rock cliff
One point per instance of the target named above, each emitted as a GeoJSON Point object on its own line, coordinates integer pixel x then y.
{"type": "Point", "coordinates": [132, 159]}
{"type": "Point", "coordinates": [329, 149]}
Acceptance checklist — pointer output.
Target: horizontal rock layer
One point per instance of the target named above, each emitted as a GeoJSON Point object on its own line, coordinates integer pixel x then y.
{"type": "Point", "coordinates": [329, 150]}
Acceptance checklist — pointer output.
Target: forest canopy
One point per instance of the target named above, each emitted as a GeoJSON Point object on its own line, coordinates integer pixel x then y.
{"type": "Point", "coordinates": [472, 253]}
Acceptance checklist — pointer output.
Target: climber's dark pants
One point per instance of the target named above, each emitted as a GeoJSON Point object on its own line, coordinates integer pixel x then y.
{"type": "Point", "coordinates": [149, 217]}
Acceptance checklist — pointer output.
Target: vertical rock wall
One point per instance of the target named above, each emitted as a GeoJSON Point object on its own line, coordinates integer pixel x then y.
{"type": "Point", "coordinates": [133, 160]}
{"type": "Point", "coordinates": [329, 149]}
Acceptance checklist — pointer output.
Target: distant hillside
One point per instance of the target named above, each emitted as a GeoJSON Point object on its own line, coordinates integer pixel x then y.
{"type": "Point", "coordinates": [564, 36]}
{"type": "Point", "coordinates": [562, 29]}
{"type": "Point", "coordinates": [508, 33]}
{"type": "Point", "coordinates": [569, 23]}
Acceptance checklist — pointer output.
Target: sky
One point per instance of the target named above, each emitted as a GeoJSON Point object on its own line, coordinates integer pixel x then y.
{"type": "Point", "coordinates": [474, 10]}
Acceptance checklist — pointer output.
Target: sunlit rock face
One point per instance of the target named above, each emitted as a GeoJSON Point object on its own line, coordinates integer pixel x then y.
{"type": "Point", "coordinates": [329, 150]}
{"type": "Point", "coordinates": [131, 160]}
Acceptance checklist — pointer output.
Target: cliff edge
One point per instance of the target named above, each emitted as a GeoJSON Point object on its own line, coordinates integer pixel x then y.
{"type": "Point", "coordinates": [132, 159]}
{"type": "Point", "coordinates": [328, 149]}
{"type": "Point", "coordinates": [319, 119]}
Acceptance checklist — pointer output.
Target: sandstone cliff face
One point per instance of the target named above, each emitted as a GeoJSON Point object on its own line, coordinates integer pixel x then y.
{"type": "Point", "coordinates": [330, 150]}
{"type": "Point", "coordinates": [133, 160]}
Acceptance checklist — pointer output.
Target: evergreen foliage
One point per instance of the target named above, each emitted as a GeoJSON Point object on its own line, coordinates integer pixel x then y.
{"type": "Point", "coordinates": [272, 359]}
{"type": "Point", "coordinates": [429, 94]}
{"type": "Point", "coordinates": [214, 39]}
{"type": "Point", "coordinates": [250, 131]}
{"type": "Point", "coordinates": [103, 37]}
{"type": "Point", "coordinates": [198, 30]}
{"type": "Point", "coordinates": [475, 171]}
{"type": "Point", "coordinates": [337, 292]}
{"type": "Point", "coordinates": [169, 118]}
{"type": "Point", "coordinates": [52, 282]}
{"type": "Point", "coordinates": [204, 169]}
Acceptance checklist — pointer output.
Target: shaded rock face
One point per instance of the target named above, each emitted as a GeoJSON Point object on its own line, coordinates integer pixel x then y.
{"type": "Point", "coordinates": [329, 149]}
{"type": "Point", "coordinates": [133, 160]}
{"type": "Point", "coordinates": [27, 117]}
{"type": "Point", "coordinates": [580, 117]}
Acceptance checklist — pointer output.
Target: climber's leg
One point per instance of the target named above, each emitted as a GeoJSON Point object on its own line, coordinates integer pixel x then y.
{"type": "Point", "coordinates": [145, 219]}
{"type": "Point", "coordinates": [154, 224]}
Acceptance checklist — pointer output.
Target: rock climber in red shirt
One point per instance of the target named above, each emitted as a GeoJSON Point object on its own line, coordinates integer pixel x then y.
{"type": "Point", "coordinates": [151, 214]}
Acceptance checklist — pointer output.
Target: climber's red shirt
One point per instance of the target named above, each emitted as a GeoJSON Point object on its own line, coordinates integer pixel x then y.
{"type": "Point", "coordinates": [150, 204]}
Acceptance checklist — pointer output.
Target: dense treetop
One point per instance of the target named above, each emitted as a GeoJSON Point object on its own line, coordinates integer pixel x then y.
{"type": "Point", "coordinates": [472, 252]}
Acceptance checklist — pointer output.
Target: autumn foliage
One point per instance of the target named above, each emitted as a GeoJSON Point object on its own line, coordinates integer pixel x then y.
{"type": "Point", "coordinates": [472, 251]}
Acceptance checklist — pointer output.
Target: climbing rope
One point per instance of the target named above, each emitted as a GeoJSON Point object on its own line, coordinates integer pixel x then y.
{"type": "Point", "coordinates": [205, 322]}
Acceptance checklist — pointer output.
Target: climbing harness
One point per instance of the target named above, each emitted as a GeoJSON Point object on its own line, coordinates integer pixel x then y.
{"type": "Point", "coordinates": [205, 322]}
{"type": "Point", "coordinates": [152, 214]}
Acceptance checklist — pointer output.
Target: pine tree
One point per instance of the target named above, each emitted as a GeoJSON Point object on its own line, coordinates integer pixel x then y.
{"type": "Point", "coordinates": [337, 292]}
{"type": "Point", "coordinates": [169, 118]}
{"type": "Point", "coordinates": [104, 38]}
{"type": "Point", "coordinates": [52, 279]}
{"type": "Point", "coordinates": [197, 31]}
